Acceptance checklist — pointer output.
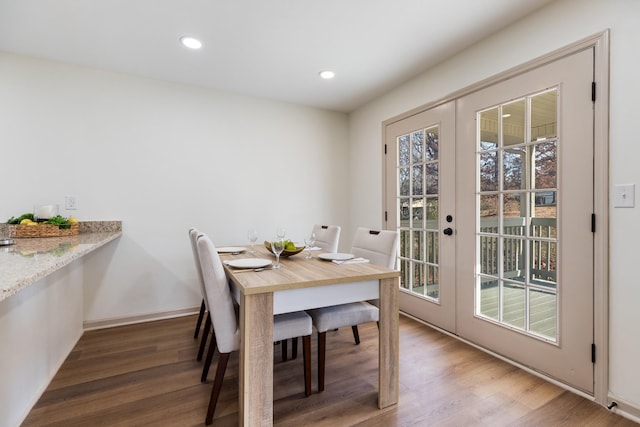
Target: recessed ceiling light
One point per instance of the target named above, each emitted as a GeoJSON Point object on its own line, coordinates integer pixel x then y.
{"type": "Point", "coordinates": [327, 74]}
{"type": "Point", "coordinates": [190, 42]}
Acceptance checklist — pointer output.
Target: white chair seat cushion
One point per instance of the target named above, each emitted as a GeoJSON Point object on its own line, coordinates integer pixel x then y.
{"type": "Point", "coordinates": [339, 316]}
{"type": "Point", "coordinates": [291, 325]}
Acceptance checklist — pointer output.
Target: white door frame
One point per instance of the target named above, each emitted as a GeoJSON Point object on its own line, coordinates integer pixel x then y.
{"type": "Point", "coordinates": [600, 43]}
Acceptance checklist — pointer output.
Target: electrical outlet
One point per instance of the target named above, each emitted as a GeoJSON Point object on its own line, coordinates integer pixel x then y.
{"type": "Point", "coordinates": [70, 203]}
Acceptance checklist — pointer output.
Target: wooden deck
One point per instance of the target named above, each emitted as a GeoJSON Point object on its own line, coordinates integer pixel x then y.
{"type": "Point", "coordinates": [543, 313]}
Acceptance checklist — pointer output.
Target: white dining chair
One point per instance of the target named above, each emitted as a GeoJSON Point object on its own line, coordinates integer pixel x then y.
{"type": "Point", "coordinates": [327, 237]}
{"type": "Point", "coordinates": [379, 247]}
{"type": "Point", "coordinates": [226, 326]}
{"type": "Point", "coordinates": [204, 310]}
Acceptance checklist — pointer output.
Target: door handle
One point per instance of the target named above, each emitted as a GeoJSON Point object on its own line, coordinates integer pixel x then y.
{"type": "Point", "coordinates": [448, 231]}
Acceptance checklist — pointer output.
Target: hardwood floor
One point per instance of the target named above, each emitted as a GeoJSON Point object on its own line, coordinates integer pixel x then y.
{"type": "Point", "coordinates": [147, 374]}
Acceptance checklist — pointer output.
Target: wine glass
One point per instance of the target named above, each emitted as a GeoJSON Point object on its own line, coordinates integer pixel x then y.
{"type": "Point", "coordinates": [281, 232]}
{"type": "Point", "coordinates": [252, 235]}
{"type": "Point", "coordinates": [309, 241]}
{"type": "Point", "coordinates": [277, 246]}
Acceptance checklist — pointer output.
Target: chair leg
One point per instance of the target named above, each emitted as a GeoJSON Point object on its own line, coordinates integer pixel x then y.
{"type": "Point", "coordinates": [294, 347]}
{"type": "Point", "coordinates": [306, 358]}
{"type": "Point", "coordinates": [217, 385]}
{"type": "Point", "coordinates": [285, 351]}
{"type": "Point", "coordinates": [356, 335]}
{"type": "Point", "coordinates": [322, 344]}
{"type": "Point", "coordinates": [199, 322]}
{"type": "Point", "coordinates": [205, 335]}
{"type": "Point", "coordinates": [207, 362]}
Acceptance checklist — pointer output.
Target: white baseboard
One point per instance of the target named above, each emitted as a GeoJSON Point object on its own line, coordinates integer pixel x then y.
{"type": "Point", "coordinates": [624, 409]}
{"type": "Point", "coordinates": [130, 320]}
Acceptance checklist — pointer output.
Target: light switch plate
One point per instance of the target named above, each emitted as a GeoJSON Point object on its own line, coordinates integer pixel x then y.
{"type": "Point", "coordinates": [624, 196]}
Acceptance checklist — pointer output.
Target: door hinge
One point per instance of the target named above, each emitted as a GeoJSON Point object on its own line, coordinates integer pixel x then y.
{"type": "Point", "coordinates": [593, 91]}
{"type": "Point", "coordinates": [385, 149]}
{"type": "Point", "coordinates": [593, 353]}
{"type": "Point", "coordinates": [593, 223]}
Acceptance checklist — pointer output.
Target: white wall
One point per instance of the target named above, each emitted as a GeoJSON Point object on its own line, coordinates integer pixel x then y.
{"type": "Point", "coordinates": [553, 27]}
{"type": "Point", "coordinates": [163, 157]}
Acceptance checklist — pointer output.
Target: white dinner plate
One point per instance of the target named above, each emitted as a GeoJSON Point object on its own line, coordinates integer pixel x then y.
{"type": "Point", "coordinates": [230, 249]}
{"type": "Point", "coordinates": [249, 263]}
{"type": "Point", "coordinates": [335, 256]}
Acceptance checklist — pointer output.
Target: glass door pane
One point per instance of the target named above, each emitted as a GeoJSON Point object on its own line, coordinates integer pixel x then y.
{"type": "Point", "coordinates": [418, 189]}
{"type": "Point", "coordinates": [517, 230]}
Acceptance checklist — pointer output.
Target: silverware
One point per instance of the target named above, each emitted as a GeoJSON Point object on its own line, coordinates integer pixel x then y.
{"type": "Point", "coordinates": [255, 270]}
{"type": "Point", "coordinates": [6, 241]}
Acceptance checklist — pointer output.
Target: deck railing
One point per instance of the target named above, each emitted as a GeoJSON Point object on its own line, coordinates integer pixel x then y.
{"type": "Point", "coordinates": [542, 251]}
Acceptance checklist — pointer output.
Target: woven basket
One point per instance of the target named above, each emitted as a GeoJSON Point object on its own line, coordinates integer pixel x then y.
{"type": "Point", "coordinates": [42, 230]}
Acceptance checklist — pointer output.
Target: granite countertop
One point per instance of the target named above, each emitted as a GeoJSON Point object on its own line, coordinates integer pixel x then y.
{"type": "Point", "coordinates": [31, 259]}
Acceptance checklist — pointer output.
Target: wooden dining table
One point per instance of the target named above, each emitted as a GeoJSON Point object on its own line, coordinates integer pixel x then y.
{"type": "Point", "coordinates": [304, 284]}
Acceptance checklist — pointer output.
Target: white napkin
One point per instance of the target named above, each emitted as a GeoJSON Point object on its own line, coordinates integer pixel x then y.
{"type": "Point", "coordinates": [351, 261]}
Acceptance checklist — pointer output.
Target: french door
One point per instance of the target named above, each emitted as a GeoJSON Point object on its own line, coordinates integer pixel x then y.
{"type": "Point", "coordinates": [493, 197]}
{"type": "Point", "coordinates": [421, 156]}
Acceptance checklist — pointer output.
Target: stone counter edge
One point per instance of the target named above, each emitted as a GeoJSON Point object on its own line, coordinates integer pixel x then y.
{"type": "Point", "coordinates": [84, 227]}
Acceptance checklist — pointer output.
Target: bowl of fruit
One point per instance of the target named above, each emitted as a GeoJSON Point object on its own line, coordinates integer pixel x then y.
{"type": "Point", "coordinates": [290, 248]}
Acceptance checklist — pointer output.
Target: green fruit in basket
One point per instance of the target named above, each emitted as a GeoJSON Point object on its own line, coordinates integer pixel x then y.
{"type": "Point", "coordinates": [290, 246]}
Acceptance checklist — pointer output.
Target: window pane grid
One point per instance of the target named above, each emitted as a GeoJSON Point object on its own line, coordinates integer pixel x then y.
{"type": "Point", "coordinates": [517, 234]}
{"type": "Point", "coordinates": [418, 186]}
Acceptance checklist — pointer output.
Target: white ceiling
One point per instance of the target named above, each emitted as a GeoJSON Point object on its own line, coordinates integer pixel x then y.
{"type": "Point", "coordinates": [266, 48]}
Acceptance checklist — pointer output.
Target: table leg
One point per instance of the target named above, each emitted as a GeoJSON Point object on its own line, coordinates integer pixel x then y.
{"type": "Point", "coordinates": [389, 342]}
{"type": "Point", "coordinates": [256, 360]}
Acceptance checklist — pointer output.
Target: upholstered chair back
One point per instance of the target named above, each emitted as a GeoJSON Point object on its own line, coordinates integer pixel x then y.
{"type": "Point", "coordinates": [379, 247]}
{"type": "Point", "coordinates": [193, 237]}
{"type": "Point", "coordinates": [327, 237]}
{"type": "Point", "coordinates": [223, 315]}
